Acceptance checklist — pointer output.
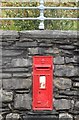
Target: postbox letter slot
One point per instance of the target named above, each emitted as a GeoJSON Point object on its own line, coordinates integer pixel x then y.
{"type": "Point", "coordinates": [42, 67]}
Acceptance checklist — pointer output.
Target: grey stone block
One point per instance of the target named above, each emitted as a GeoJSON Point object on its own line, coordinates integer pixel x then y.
{"type": "Point", "coordinates": [77, 105]}
{"type": "Point", "coordinates": [33, 51]}
{"type": "Point", "coordinates": [0, 83]}
{"type": "Point", "coordinates": [62, 104]}
{"type": "Point", "coordinates": [16, 83]}
{"type": "Point", "coordinates": [45, 44]}
{"type": "Point", "coordinates": [23, 39]}
{"type": "Point", "coordinates": [1, 117]}
{"type": "Point", "coordinates": [6, 96]}
{"type": "Point", "coordinates": [67, 47]}
{"type": "Point", "coordinates": [69, 93]}
{"type": "Point", "coordinates": [40, 117]}
{"type": "Point", "coordinates": [11, 53]}
{"type": "Point", "coordinates": [1, 105]}
{"type": "Point", "coordinates": [62, 83]}
{"type": "Point", "coordinates": [76, 84]}
{"type": "Point", "coordinates": [41, 50]}
{"type": "Point", "coordinates": [6, 60]}
{"type": "Point", "coordinates": [22, 75]}
{"type": "Point", "coordinates": [59, 60]}
{"type": "Point", "coordinates": [21, 62]}
{"type": "Point", "coordinates": [55, 50]}
{"type": "Point", "coordinates": [66, 71]}
{"type": "Point", "coordinates": [0, 61]}
{"type": "Point", "coordinates": [57, 96]}
{"type": "Point", "coordinates": [15, 70]}
{"type": "Point", "coordinates": [22, 101]}
{"type": "Point", "coordinates": [6, 44]}
{"type": "Point", "coordinates": [26, 44]}
{"type": "Point", "coordinates": [71, 60]}
{"type": "Point", "coordinates": [75, 79]}
{"type": "Point", "coordinates": [9, 34]}
{"type": "Point", "coordinates": [5, 75]}
{"type": "Point", "coordinates": [12, 116]}
{"type": "Point", "coordinates": [65, 116]}
{"type": "Point", "coordinates": [48, 34]}
{"type": "Point", "coordinates": [76, 117]}
{"type": "Point", "coordinates": [66, 52]}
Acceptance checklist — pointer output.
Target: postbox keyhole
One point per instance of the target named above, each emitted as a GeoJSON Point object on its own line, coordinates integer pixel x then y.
{"type": "Point", "coordinates": [39, 92]}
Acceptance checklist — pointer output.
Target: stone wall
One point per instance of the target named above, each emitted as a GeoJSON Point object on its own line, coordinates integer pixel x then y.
{"type": "Point", "coordinates": [18, 48]}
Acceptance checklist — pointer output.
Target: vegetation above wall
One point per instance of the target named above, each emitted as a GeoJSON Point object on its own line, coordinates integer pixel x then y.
{"type": "Point", "coordinates": [29, 25]}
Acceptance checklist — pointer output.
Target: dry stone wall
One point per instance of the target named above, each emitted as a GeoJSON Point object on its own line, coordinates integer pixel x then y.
{"type": "Point", "coordinates": [17, 49]}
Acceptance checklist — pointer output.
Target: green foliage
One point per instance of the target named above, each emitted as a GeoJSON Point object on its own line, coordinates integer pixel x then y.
{"type": "Point", "coordinates": [33, 24]}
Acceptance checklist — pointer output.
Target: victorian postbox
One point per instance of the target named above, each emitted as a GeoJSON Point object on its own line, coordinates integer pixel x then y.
{"type": "Point", "coordinates": [42, 83]}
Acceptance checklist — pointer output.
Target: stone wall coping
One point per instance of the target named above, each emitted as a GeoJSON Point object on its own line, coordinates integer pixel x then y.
{"type": "Point", "coordinates": [40, 34]}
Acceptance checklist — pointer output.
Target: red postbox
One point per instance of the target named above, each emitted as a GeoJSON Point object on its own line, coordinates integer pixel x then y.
{"type": "Point", "coordinates": [42, 83]}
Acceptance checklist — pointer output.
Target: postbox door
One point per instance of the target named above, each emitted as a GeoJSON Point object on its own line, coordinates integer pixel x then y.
{"type": "Point", "coordinates": [43, 97]}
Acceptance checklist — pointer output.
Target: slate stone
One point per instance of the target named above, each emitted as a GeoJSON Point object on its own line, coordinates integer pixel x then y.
{"type": "Point", "coordinates": [23, 39]}
{"type": "Point", "coordinates": [66, 71]}
{"type": "Point", "coordinates": [41, 50]}
{"type": "Point", "coordinates": [76, 117]}
{"type": "Point", "coordinates": [6, 96]}
{"type": "Point", "coordinates": [5, 75]}
{"type": "Point", "coordinates": [77, 105]}
{"type": "Point", "coordinates": [48, 34]}
{"type": "Point", "coordinates": [11, 53]}
{"type": "Point", "coordinates": [15, 70]}
{"type": "Point", "coordinates": [62, 83]}
{"type": "Point", "coordinates": [66, 52]}
{"type": "Point", "coordinates": [22, 101]}
{"type": "Point", "coordinates": [75, 79]}
{"type": "Point", "coordinates": [21, 62]}
{"type": "Point", "coordinates": [59, 60]}
{"type": "Point", "coordinates": [54, 50]}
{"type": "Point", "coordinates": [69, 93]}
{"type": "Point", "coordinates": [65, 116]}
{"type": "Point", "coordinates": [67, 47]}
{"type": "Point", "coordinates": [1, 117]}
{"type": "Point", "coordinates": [58, 96]}
{"type": "Point", "coordinates": [7, 44]}
{"type": "Point", "coordinates": [76, 84]}
{"type": "Point", "coordinates": [6, 60]}
{"type": "Point", "coordinates": [62, 104]}
{"type": "Point", "coordinates": [22, 75]}
{"type": "Point", "coordinates": [71, 60]}
{"type": "Point", "coordinates": [40, 117]}
{"type": "Point", "coordinates": [9, 34]}
{"type": "Point", "coordinates": [45, 45]}
{"type": "Point", "coordinates": [0, 83]}
{"type": "Point", "coordinates": [12, 116]}
{"type": "Point", "coordinates": [33, 51]}
{"type": "Point", "coordinates": [26, 44]}
{"type": "Point", "coordinates": [16, 83]}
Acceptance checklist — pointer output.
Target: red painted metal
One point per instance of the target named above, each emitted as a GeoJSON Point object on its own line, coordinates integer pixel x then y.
{"type": "Point", "coordinates": [42, 83]}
